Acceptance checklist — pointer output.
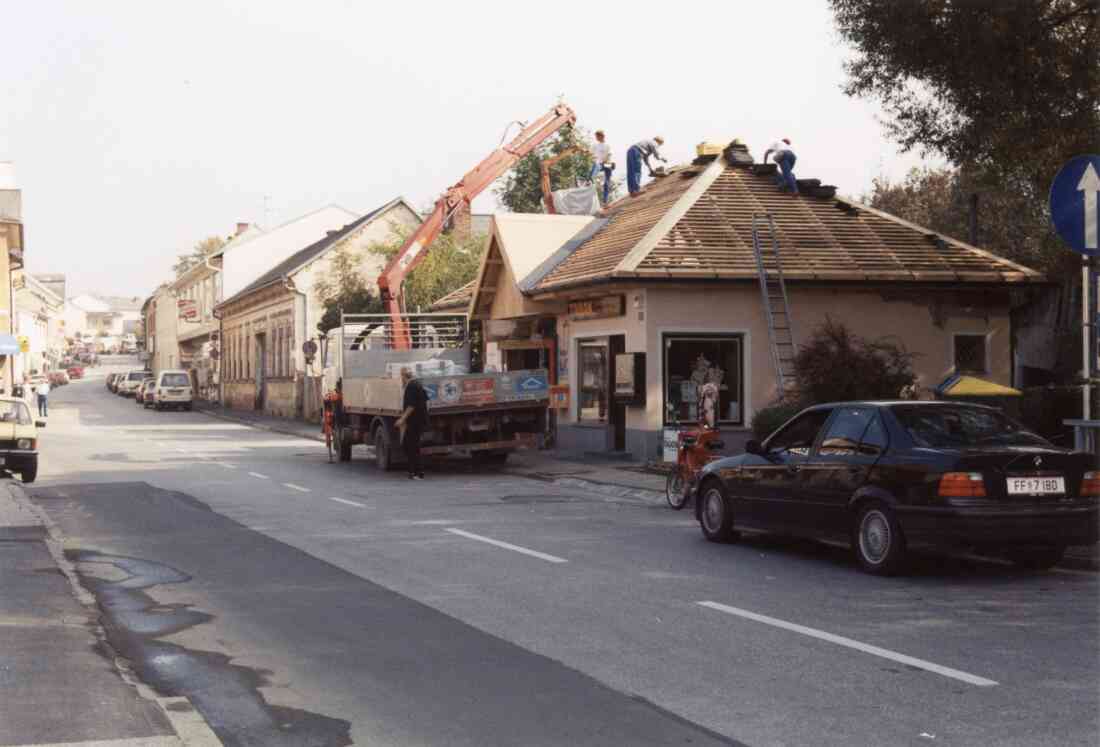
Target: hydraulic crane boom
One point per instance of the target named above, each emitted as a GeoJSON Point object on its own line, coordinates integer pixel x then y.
{"type": "Point", "coordinates": [457, 197]}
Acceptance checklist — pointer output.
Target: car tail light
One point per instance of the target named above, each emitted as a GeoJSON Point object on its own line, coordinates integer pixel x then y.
{"type": "Point", "coordinates": [1090, 485]}
{"type": "Point", "coordinates": [962, 485]}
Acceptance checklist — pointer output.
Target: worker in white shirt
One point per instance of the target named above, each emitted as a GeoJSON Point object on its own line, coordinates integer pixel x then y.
{"type": "Point", "coordinates": [601, 162]}
{"type": "Point", "coordinates": [43, 394]}
{"type": "Point", "coordinates": [784, 158]}
{"type": "Point", "coordinates": [639, 152]}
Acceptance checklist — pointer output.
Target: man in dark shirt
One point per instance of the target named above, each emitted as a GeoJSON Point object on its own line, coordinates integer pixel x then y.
{"type": "Point", "coordinates": [413, 421]}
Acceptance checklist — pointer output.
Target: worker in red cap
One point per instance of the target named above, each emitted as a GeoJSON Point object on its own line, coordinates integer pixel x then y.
{"type": "Point", "coordinates": [784, 158]}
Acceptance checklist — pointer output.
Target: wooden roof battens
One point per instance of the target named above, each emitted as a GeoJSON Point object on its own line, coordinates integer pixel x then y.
{"type": "Point", "coordinates": [673, 215]}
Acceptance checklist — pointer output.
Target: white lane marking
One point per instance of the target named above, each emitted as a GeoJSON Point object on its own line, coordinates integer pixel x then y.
{"type": "Point", "coordinates": [257, 474]}
{"type": "Point", "coordinates": [507, 546]}
{"type": "Point", "coordinates": [299, 488]}
{"type": "Point", "coordinates": [350, 503]}
{"type": "Point", "coordinates": [848, 642]}
{"type": "Point", "coordinates": [227, 465]}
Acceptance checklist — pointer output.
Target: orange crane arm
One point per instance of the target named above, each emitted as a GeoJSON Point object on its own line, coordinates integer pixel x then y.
{"type": "Point", "coordinates": [459, 196]}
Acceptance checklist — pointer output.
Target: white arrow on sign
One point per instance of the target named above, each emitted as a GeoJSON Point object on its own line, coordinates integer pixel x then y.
{"type": "Point", "coordinates": [1090, 185]}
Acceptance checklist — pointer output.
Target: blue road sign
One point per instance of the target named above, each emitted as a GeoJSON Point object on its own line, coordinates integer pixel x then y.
{"type": "Point", "coordinates": [8, 345]}
{"type": "Point", "coordinates": [1073, 204]}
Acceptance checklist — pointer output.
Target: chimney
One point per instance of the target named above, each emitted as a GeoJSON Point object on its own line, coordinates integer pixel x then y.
{"type": "Point", "coordinates": [241, 228]}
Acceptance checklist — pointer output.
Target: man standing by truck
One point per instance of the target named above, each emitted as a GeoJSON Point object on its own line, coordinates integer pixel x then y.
{"type": "Point", "coordinates": [413, 420]}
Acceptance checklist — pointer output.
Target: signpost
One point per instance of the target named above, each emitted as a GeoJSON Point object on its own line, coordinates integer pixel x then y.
{"type": "Point", "coordinates": [1073, 211]}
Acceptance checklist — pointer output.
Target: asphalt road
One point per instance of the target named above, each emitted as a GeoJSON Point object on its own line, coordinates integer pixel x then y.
{"type": "Point", "coordinates": [301, 602]}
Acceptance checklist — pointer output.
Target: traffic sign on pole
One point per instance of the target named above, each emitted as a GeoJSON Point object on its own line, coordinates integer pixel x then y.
{"type": "Point", "coordinates": [1075, 206]}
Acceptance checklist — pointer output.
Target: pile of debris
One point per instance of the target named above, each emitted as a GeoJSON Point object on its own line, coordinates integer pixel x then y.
{"type": "Point", "coordinates": [737, 154]}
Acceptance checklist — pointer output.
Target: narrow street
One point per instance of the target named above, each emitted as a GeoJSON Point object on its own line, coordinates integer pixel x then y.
{"type": "Point", "coordinates": [300, 602]}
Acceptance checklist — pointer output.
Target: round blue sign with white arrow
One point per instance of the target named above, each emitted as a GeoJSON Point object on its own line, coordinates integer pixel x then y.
{"type": "Point", "coordinates": [1074, 204]}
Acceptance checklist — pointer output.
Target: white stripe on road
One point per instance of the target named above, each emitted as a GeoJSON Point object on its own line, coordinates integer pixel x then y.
{"type": "Point", "coordinates": [507, 546]}
{"type": "Point", "coordinates": [848, 642]}
{"type": "Point", "coordinates": [227, 465]}
{"type": "Point", "coordinates": [257, 474]}
{"type": "Point", "coordinates": [350, 503]}
{"type": "Point", "coordinates": [299, 488]}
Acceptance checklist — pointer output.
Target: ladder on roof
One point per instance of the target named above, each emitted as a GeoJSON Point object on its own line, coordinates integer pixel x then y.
{"type": "Point", "coordinates": [773, 290]}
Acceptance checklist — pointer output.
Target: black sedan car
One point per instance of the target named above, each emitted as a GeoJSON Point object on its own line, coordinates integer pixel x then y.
{"type": "Point", "coordinates": [890, 476]}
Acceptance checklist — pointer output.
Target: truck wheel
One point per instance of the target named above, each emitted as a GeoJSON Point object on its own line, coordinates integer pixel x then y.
{"type": "Point", "coordinates": [383, 455]}
{"type": "Point", "coordinates": [343, 444]}
{"type": "Point", "coordinates": [29, 474]}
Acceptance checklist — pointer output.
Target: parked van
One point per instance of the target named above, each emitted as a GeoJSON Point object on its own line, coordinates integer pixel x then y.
{"type": "Point", "coordinates": [130, 381]}
{"type": "Point", "coordinates": [171, 389]}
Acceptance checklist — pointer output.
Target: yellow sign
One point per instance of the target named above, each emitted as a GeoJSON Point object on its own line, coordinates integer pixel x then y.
{"type": "Point", "coordinates": [24, 344]}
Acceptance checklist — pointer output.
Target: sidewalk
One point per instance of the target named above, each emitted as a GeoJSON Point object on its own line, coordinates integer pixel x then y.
{"type": "Point", "coordinates": [59, 681]}
{"type": "Point", "coordinates": [631, 480]}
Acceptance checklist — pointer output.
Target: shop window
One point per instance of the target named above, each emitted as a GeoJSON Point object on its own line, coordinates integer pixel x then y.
{"type": "Point", "coordinates": [593, 371]}
{"type": "Point", "coordinates": [971, 354]}
{"type": "Point", "coordinates": [694, 362]}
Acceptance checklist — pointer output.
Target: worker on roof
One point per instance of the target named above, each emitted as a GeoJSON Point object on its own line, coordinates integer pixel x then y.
{"type": "Point", "coordinates": [784, 158]}
{"type": "Point", "coordinates": [601, 162]}
{"type": "Point", "coordinates": [635, 155]}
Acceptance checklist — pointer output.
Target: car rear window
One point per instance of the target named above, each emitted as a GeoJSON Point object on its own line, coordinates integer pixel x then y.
{"type": "Point", "coordinates": [136, 376]}
{"type": "Point", "coordinates": [175, 380]}
{"type": "Point", "coordinates": [944, 426]}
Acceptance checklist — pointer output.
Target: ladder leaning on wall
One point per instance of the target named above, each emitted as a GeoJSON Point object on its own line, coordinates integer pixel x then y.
{"type": "Point", "coordinates": [773, 289]}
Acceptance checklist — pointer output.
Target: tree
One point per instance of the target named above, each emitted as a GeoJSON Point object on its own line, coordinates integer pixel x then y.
{"type": "Point", "coordinates": [452, 261]}
{"type": "Point", "coordinates": [344, 288]}
{"type": "Point", "coordinates": [1008, 87]}
{"type": "Point", "coordinates": [199, 253]}
{"type": "Point", "coordinates": [520, 190]}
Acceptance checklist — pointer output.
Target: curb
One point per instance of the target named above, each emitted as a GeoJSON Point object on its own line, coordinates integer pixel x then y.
{"type": "Point", "coordinates": [260, 426]}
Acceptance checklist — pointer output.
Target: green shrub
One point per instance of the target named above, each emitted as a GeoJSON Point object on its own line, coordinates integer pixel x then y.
{"type": "Point", "coordinates": [766, 420]}
{"type": "Point", "coordinates": [835, 365]}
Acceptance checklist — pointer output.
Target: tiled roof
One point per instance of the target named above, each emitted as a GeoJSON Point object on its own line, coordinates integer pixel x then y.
{"type": "Point", "coordinates": [309, 253]}
{"type": "Point", "coordinates": [697, 223]}
{"type": "Point", "coordinates": [459, 298]}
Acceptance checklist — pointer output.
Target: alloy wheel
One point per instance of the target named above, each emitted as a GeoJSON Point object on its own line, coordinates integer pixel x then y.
{"type": "Point", "coordinates": [714, 510]}
{"type": "Point", "coordinates": [875, 536]}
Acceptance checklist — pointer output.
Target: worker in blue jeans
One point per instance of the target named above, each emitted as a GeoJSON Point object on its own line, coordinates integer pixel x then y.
{"type": "Point", "coordinates": [601, 162]}
{"type": "Point", "coordinates": [784, 158]}
{"type": "Point", "coordinates": [641, 152]}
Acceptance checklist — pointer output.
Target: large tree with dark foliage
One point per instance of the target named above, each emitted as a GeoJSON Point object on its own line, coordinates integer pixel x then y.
{"type": "Point", "coordinates": [1008, 88]}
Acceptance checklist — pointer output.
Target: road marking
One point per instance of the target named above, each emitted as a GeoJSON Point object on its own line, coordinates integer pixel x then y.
{"type": "Point", "coordinates": [507, 546]}
{"type": "Point", "coordinates": [227, 465]}
{"type": "Point", "coordinates": [350, 503]}
{"type": "Point", "coordinates": [848, 642]}
{"type": "Point", "coordinates": [299, 488]}
{"type": "Point", "coordinates": [257, 474]}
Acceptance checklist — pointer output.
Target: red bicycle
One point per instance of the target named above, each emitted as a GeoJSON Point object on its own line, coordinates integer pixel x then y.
{"type": "Point", "coordinates": [694, 449]}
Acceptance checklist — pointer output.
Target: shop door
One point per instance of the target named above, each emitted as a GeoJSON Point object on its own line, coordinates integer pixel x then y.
{"type": "Point", "coordinates": [617, 413]}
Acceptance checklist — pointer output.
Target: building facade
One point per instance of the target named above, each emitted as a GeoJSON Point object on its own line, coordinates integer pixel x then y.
{"type": "Point", "coordinates": [11, 259]}
{"type": "Point", "coordinates": [38, 326]}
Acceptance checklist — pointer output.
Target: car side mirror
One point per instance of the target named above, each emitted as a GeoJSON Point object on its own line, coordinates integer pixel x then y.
{"type": "Point", "coordinates": [754, 447]}
{"type": "Point", "coordinates": [40, 423]}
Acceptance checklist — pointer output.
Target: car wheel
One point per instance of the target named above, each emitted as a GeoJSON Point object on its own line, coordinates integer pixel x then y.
{"type": "Point", "coordinates": [716, 513]}
{"type": "Point", "coordinates": [878, 540]}
{"type": "Point", "coordinates": [383, 454]}
{"type": "Point", "coordinates": [29, 474]}
{"type": "Point", "coordinates": [1037, 558]}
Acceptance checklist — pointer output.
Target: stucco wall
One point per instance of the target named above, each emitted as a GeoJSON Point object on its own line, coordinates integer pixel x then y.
{"type": "Point", "coordinates": [655, 311]}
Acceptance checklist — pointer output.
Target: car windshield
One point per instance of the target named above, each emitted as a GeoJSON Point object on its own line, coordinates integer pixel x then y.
{"type": "Point", "coordinates": [136, 376]}
{"type": "Point", "coordinates": [944, 426]}
{"type": "Point", "coordinates": [176, 379]}
{"type": "Point", "coordinates": [15, 412]}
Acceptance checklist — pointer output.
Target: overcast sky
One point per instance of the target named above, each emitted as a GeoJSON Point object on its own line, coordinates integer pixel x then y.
{"type": "Point", "coordinates": [138, 128]}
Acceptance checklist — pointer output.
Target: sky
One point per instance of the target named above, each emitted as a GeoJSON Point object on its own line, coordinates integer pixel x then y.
{"type": "Point", "coordinates": [138, 128]}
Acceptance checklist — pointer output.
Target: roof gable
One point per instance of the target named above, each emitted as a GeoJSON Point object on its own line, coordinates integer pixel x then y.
{"type": "Point", "coordinates": [697, 223]}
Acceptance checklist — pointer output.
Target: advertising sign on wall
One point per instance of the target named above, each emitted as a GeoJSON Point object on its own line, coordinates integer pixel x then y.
{"type": "Point", "coordinates": [596, 308]}
{"type": "Point", "coordinates": [188, 309]}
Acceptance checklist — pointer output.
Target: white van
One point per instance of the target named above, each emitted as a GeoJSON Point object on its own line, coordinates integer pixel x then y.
{"type": "Point", "coordinates": [172, 388]}
{"type": "Point", "coordinates": [130, 381]}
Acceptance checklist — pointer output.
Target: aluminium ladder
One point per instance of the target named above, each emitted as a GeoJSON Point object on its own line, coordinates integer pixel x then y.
{"type": "Point", "coordinates": [777, 310]}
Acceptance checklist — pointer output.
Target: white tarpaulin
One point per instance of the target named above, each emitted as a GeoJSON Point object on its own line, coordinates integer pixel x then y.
{"type": "Point", "coordinates": [578, 201]}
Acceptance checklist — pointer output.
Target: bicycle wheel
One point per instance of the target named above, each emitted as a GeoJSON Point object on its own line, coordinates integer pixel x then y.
{"type": "Point", "coordinates": [676, 489]}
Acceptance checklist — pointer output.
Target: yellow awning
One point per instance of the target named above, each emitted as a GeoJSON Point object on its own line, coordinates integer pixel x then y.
{"type": "Point", "coordinates": [972, 386]}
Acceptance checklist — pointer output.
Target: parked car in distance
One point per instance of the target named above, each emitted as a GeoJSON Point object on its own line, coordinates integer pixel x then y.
{"type": "Point", "coordinates": [19, 438]}
{"type": "Point", "coordinates": [173, 389]}
{"type": "Point", "coordinates": [57, 378]}
{"type": "Point", "coordinates": [144, 388]}
{"type": "Point", "coordinates": [129, 382]}
{"type": "Point", "coordinates": [890, 476]}
{"type": "Point", "coordinates": [75, 372]}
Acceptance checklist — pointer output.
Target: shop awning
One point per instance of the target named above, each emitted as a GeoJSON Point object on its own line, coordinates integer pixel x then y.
{"type": "Point", "coordinates": [9, 345]}
{"type": "Point", "coordinates": [972, 386]}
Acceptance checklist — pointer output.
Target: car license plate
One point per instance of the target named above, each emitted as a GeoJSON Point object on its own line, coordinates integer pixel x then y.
{"type": "Point", "coordinates": [175, 391]}
{"type": "Point", "coordinates": [1036, 485]}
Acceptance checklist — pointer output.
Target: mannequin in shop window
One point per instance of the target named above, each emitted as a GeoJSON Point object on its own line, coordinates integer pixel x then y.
{"type": "Point", "coordinates": [709, 394]}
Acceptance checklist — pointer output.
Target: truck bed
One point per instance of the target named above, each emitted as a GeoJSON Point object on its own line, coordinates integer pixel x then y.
{"type": "Point", "coordinates": [376, 395]}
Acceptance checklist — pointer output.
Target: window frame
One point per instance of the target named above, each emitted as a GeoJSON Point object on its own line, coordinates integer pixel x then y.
{"type": "Point", "coordinates": [668, 337]}
{"type": "Point", "coordinates": [603, 342]}
{"type": "Point", "coordinates": [985, 353]}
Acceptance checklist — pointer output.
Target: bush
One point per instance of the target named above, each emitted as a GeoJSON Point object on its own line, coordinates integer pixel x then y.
{"type": "Point", "coordinates": [766, 420]}
{"type": "Point", "coordinates": [835, 365]}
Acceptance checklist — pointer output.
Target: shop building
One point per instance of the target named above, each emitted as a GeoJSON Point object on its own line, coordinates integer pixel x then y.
{"type": "Point", "coordinates": [670, 277]}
